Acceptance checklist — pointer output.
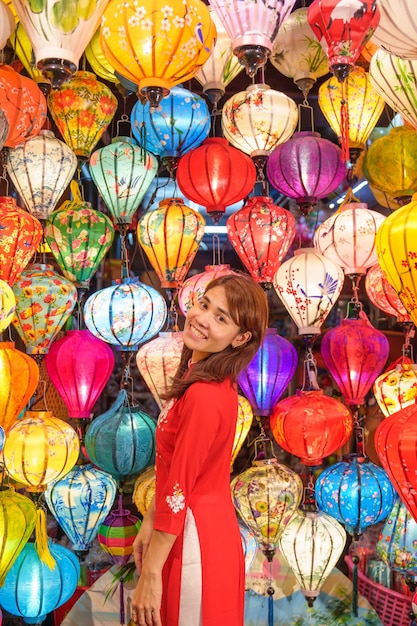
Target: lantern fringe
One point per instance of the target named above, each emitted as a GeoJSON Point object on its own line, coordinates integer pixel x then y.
{"type": "Point", "coordinates": [122, 601]}
{"type": "Point", "coordinates": [41, 540]}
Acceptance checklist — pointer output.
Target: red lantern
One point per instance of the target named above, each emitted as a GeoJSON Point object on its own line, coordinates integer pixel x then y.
{"type": "Point", "coordinates": [21, 234]}
{"type": "Point", "coordinates": [216, 175]}
{"type": "Point", "coordinates": [311, 425]}
{"type": "Point", "coordinates": [355, 354]}
{"type": "Point", "coordinates": [79, 366]}
{"type": "Point", "coordinates": [19, 375]}
{"type": "Point", "coordinates": [261, 233]}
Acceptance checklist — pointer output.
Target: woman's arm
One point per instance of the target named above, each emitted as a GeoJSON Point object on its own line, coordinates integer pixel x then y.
{"type": "Point", "coordinates": [143, 538]}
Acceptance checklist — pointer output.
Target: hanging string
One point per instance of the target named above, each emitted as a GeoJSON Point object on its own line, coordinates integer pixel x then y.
{"type": "Point", "coordinates": [124, 257]}
{"type": "Point", "coordinates": [310, 382]}
{"type": "Point", "coordinates": [216, 258]}
{"type": "Point", "coordinates": [359, 432]}
{"type": "Point", "coordinates": [309, 109]}
{"type": "Point", "coordinates": [354, 306]}
{"type": "Point", "coordinates": [407, 347]}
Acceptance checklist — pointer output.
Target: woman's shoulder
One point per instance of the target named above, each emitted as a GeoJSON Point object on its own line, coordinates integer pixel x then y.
{"type": "Point", "coordinates": [211, 389]}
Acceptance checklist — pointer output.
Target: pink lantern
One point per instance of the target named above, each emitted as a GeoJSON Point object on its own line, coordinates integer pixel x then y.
{"type": "Point", "coordinates": [194, 287]}
{"type": "Point", "coordinates": [79, 366]}
{"type": "Point", "coordinates": [383, 296]}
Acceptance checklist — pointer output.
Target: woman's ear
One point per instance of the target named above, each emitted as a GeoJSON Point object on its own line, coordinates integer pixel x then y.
{"type": "Point", "coordinates": [241, 339]}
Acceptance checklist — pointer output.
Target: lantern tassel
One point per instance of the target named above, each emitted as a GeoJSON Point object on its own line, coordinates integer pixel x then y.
{"type": "Point", "coordinates": [344, 125]}
{"type": "Point", "coordinates": [122, 602]}
{"type": "Point", "coordinates": [355, 561]}
{"type": "Point", "coordinates": [41, 541]}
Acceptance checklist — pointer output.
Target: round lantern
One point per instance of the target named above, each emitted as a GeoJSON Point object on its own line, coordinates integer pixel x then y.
{"type": "Point", "coordinates": [41, 170]}
{"type": "Point", "coordinates": [267, 376]}
{"type": "Point", "coordinates": [82, 108]}
{"type": "Point", "coordinates": [7, 24]}
{"type": "Point", "coordinates": [80, 502]}
{"type": "Point", "coordinates": [396, 388]}
{"type": "Point", "coordinates": [40, 448]}
{"type": "Point", "coordinates": [311, 425]}
{"type": "Point", "coordinates": [216, 175]}
{"type": "Point", "coordinates": [309, 285]}
{"type": "Point", "coordinates": [396, 250]}
{"type": "Point", "coordinates": [117, 533]}
{"type": "Point", "coordinates": [7, 305]}
{"type": "Point", "coordinates": [45, 300]}
{"type": "Point", "coordinates": [348, 237]}
{"type": "Point", "coordinates": [20, 236]}
{"type": "Point", "coordinates": [144, 490]}
{"type": "Point", "coordinates": [356, 492]}
{"type": "Point", "coordinates": [243, 425]}
{"type": "Point", "coordinates": [122, 173]}
{"type": "Point", "coordinates": [354, 353]}
{"type": "Point", "coordinates": [157, 45]}
{"type": "Point", "coordinates": [126, 314]}
{"type": "Point", "coordinates": [32, 589]}
{"type": "Point", "coordinates": [194, 287]}
{"type": "Point", "coordinates": [158, 361]}
{"type": "Point", "coordinates": [17, 522]}
{"type": "Point", "coordinates": [4, 128]}
{"type": "Point", "coordinates": [79, 366]}
{"type": "Point", "coordinates": [15, 366]}
{"type": "Point", "coordinates": [396, 28]}
{"type": "Point", "coordinates": [258, 119]}
{"type": "Point", "coordinates": [306, 167]}
{"type": "Point", "coordinates": [23, 104]}
{"type": "Point", "coordinates": [398, 540]}
{"type": "Point", "coordinates": [98, 62]}
{"type": "Point", "coordinates": [382, 294]}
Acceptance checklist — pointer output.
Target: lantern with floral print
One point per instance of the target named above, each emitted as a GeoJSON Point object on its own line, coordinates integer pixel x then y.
{"type": "Point", "coordinates": [7, 305]}
{"type": "Point", "coordinates": [383, 296]}
{"type": "Point", "coordinates": [15, 366]}
{"type": "Point", "coordinates": [396, 388]}
{"type": "Point", "coordinates": [45, 300]}
{"type": "Point", "coordinates": [398, 539]}
{"type": "Point", "coordinates": [17, 522]}
{"type": "Point", "coordinates": [144, 490]}
{"type": "Point", "coordinates": [194, 287]}
{"type": "Point", "coordinates": [117, 533]}
{"type": "Point", "coordinates": [7, 24]}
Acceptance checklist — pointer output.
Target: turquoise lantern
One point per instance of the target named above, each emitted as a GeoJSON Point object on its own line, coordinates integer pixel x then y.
{"type": "Point", "coordinates": [397, 544]}
{"type": "Point", "coordinates": [121, 441]}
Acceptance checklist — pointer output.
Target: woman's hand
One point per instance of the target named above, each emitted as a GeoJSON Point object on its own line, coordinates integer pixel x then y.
{"type": "Point", "coordinates": [142, 541]}
{"type": "Point", "coordinates": [146, 603]}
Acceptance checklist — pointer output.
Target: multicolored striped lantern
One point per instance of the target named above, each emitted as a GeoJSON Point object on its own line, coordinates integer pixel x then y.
{"type": "Point", "coordinates": [17, 522]}
{"type": "Point", "coordinates": [15, 366]}
{"type": "Point", "coordinates": [117, 533]}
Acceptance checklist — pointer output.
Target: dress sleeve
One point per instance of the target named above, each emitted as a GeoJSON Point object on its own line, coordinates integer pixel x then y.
{"type": "Point", "coordinates": [203, 410]}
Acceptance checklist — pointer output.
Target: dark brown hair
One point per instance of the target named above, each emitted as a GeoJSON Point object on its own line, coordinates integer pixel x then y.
{"type": "Point", "coordinates": [248, 307]}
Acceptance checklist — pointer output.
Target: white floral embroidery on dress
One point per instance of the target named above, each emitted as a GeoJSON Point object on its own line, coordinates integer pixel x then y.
{"type": "Point", "coordinates": [162, 419]}
{"type": "Point", "coordinates": [176, 502]}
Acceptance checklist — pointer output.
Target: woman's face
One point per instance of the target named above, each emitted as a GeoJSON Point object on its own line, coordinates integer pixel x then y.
{"type": "Point", "coordinates": [209, 326]}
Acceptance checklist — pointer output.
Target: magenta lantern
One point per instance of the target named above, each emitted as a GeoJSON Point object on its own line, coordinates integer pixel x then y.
{"type": "Point", "coordinates": [261, 233]}
{"type": "Point", "coordinates": [355, 353]}
{"type": "Point", "coordinates": [306, 167]}
{"type": "Point", "coordinates": [79, 366]}
{"type": "Point", "coordinates": [216, 175]}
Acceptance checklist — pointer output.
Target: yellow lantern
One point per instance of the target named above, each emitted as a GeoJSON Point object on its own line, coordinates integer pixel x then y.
{"type": "Point", "coordinates": [17, 522]}
{"type": "Point", "coordinates": [157, 44]}
{"type": "Point", "coordinates": [144, 490]}
{"type": "Point", "coordinates": [396, 388]}
{"type": "Point", "coordinates": [19, 375]}
{"type": "Point", "coordinates": [7, 305]}
{"type": "Point", "coordinates": [99, 64]}
{"type": "Point", "coordinates": [243, 424]}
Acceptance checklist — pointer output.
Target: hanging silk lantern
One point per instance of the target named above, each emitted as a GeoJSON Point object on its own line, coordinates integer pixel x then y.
{"type": "Point", "coordinates": [193, 288]}
{"type": "Point", "coordinates": [309, 285]}
{"type": "Point", "coordinates": [382, 294]}
{"type": "Point", "coordinates": [22, 46]}
{"type": "Point", "coordinates": [266, 496]}
{"type": "Point", "coordinates": [125, 314]}
{"type": "Point", "coordinates": [399, 180]}
{"type": "Point", "coordinates": [249, 544]}
{"type": "Point", "coordinates": [395, 80]}
{"type": "Point", "coordinates": [252, 28]}
{"type": "Point", "coordinates": [32, 589]}
{"type": "Point", "coordinates": [311, 425]}
{"type": "Point", "coordinates": [17, 522]}
{"type": "Point", "coordinates": [98, 62]}
{"type": "Point", "coordinates": [7, 305]}
{"type": "Point", "coordinates": [312, 543]}
{"type": "Point", "coordinates": [343, 29]}
{"type": "Point", "coordinates": [354, 353]}
{"type": "Point", "coordinates": [216, 175]}
{"type": "Point", "coordinates": [23, 104]}
{"type": "Point", "coordinates": [41, 170]}
{"type": "Point", "coordinates": [356, 492]}
{"type": "Point", "coordinates": [243, 425]}
{"type": "Point", "coordinates": [80, 502]}
{"type": "Point", "coordinates": [117, 533]}
{"type": "Point", "coordinates": [297, 54]}
{"type": "Point", "coordinates": [348, 237]}
{"type": "Point", "coordinates": [4, 128]}
{"type": "Point", "coordinates": [395, 247]}
{"type": "Point", "coordinates": [170, 236]}
{"type": "Point", "coordinates": [157, 45]}
{"type": "Point", "coordinates": [258, 119]}
{"type": "Point", "coordinates": [386, 200]}
{"type": "Point", "coordinates": [122, 173]}
{"type": "Point", "coordinates": [396, 388]}
{"type": "Point", "coordinates": [7, 24]}
{"type": "Point", "coordinates": [121, 441]}
{"type": "Point", "coordinates": [15, 366]}
{"type": "Point", "coordinates": [20, 236]}
{"type": "Point", "coordinates": [306, 168]}
{"type": "Point", "coordinates": [40, 448]}
{"type": "Point", "coordinates": [2, 438]}
{"type": "Point", "coordinates": [79, 238]}
{"type": "Point", "coordinates": [144, 490]}
{"type": "Point", "coordinates": [158, 361]}
{"type": "Point", "coordinates": [267, 376]}
{"type": "Point", "coordinates": [398, 539]}
{"type": "Point", "coordinates": [396, 28]}
{"type": "Point", "coordinates": [82, 108]}
{"type": "Point", "coordinates": [79, 366]}
{"type": "Point", "coordinates": [45, 300]}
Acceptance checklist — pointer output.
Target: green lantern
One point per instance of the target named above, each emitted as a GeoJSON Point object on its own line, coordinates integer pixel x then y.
{"type": "Point", "coordinates": [17, 522]}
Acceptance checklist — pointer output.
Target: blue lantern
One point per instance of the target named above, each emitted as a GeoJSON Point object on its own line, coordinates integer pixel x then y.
{"type": "Point", "coordinates": [32, 590]}
{"type": "Point", "coordinates": [80, 502]}
{"type": "Point", "coordinates": [125, 314]}
{"type": "Point", "coordinates": [397, 544]}
{"type": "Point", "coordinates": [121, 441]}
{"type": "Point", "coordinates": [356, 492]}
{"type": "Point", "coordinates": [267, 376]}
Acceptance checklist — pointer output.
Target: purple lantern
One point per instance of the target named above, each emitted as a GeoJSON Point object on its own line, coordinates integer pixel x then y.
{"type": "Point", "coordinates": [265, 379]}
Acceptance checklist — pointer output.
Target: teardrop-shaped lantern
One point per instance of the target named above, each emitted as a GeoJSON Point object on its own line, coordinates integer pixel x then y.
{"type": "Point", "coordinates": [117, 533]}
{"type": "Point", "coordinates": [126, 314]}
{"type": "Point", "coordinates": [82, 108]}
{"type": "Point", "coordinates": [79, 366]}
{"type": "Point", "coordinates": [396, 388]}
{"type": "Point", "coordinates": [41, 170]}
{"type": "Point", "coordinates": [397, 542]}
{"type": "Point", "coordinates": [45, 300]}
{"type": "Point", "coordinates": [396, 28]}
{"type": "Point", "coordinates": [382, 294]}
{"type": "Point", "coordinates": [17, 522]}
{"type": "Point", "coordinates": [121, 441]}
{"type": "Point", "coordinates": [170, 236]}
{"type": "Point", "coordinates": [122, 173]}
{"type": "Point", "coordinates": [267, 376]}
{"type": "Point", "coordinates": [309, 285]}
{"type": "Point", "coordinates": [194, 286]}
{"type": "Point", "coordinates": [15, 366]}
{"type": "Point", "coordinates": [20, 236]}
{"type": "Point", "coordinates": [7, 24]}
{"type": "Point", "coordinates": [7, 305]}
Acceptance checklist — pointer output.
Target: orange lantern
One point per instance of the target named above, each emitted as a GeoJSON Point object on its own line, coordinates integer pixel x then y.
{"type": "Point", "coordinates": [15, 366]}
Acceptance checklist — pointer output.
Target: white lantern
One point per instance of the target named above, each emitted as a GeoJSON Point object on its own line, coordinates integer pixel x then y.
{"type": "Point", "coordinates": [396, 31]}
{"type": "Point", "coordinates": [7, 24]}
{"type": "Point", "coordinates": [396, 388]}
